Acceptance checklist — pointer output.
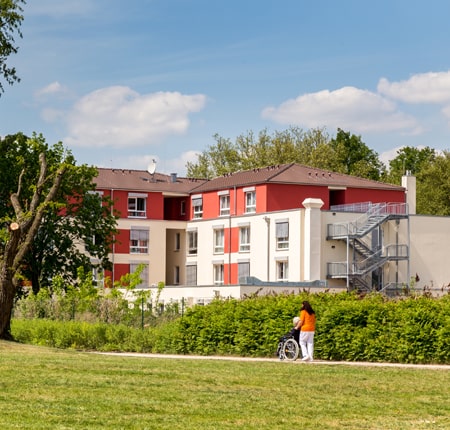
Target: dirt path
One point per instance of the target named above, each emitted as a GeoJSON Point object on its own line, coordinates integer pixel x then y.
{"type": "Point", "coordinates": [315, 362]}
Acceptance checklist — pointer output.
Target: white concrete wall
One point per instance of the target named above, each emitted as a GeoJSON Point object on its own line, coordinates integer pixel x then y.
{"type": "Point", "coordinates": [312, 235]}
{"type": "Point", "coordinates": [263, 245]}
{"type": "Point", "coordinates": [430, 251]}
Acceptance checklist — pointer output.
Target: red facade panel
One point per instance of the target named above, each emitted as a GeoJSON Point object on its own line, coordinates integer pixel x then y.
{"type": "Point", "coordinates": [122, 245]}
{"type": "Point", "coordinates": [240, 202]}
{"type": "Point", "coordinates": [230, 275]}
{"type": "Point", "coordinates": [210, 205]}
{"type": "Point", "coordinates": [358, 195]}
{"type": "Point", "coordinates": [234, 240]}
{"type": "Point", "coordinates": [154, 205]}
{"type": "Point", "coordinates": [120, 270]}
{"type": "Point", "coordinates": [286, 196]}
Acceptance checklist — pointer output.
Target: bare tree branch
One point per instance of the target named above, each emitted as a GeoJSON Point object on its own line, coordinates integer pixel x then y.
{"type": "Point", "coordinates": [31, 225]}
{"type": "Point", "coordinates": [15, 198]}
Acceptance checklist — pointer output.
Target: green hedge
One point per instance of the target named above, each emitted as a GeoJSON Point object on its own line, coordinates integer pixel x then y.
{"type": "Point", "coordinates": [411, 330]}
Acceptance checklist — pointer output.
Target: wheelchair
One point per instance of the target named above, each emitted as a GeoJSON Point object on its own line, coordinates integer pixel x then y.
{"type": "Point", "coordinates": [288, 349]}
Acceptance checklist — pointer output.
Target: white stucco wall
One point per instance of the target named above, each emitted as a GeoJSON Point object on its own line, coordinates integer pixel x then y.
{"type": "Point", "coordinates": [263, 254]}
{"type": "Point", "coordinates": [430, 251]}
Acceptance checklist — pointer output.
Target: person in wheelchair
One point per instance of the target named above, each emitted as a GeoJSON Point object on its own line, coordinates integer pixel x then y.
{"type": "Point", "coordinates": [288, 345]}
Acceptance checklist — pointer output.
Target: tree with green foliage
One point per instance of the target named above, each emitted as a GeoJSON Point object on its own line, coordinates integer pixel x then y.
{"type": "Point", "coordinates": [433, 186]}
{"type": "Point", "coordinates": [345, 154]}
{"type": "Point", "coordinates": [409, 159]}
{"type": "Point", "coordinates": [250, 151]}
{"type": "Point", "coordinates": [353, 157]}
{"type": "Point", "coordinates": [10, 21]}
{"type": "Point", "coordinates": [431, 170]}
{"type": "Point", "coordinates": [48, 210]}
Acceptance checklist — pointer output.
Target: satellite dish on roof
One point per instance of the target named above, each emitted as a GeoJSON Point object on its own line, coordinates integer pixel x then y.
{"type": "Point", "coordinates": [151, 168]}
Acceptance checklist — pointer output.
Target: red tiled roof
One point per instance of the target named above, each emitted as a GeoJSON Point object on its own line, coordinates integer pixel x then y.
{"type": "Point", "coordinates": [291, 174]}
{"type": "Point", "coordinates": [141, 180]}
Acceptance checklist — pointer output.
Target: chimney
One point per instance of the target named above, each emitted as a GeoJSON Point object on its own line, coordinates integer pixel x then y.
{"type": "Point", "coordinates": [173, 177]}
{"type": "Point", "coordinates": [409, 183]}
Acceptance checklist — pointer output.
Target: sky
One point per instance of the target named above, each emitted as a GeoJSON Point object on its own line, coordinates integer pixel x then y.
{"type": "Point", "coordinates": [124, 83]}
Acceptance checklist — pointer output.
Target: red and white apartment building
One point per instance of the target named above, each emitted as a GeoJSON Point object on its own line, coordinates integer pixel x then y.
{"type": "Point", "coordinates": [281, 228]}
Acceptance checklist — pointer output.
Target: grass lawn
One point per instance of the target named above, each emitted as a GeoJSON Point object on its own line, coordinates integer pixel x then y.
{"type": "Point", "coordinates": [43, 388]}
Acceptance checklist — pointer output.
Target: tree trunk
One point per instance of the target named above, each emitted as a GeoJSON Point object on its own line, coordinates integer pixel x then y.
{"type": "Point", "coordinates": [7, 285]}
{"type": "Point", "coordinates": [21, 235]}
{"type": "Point", "coordinates": [35, 284]}
{"type": "Point", "coordinates": [7, 293]}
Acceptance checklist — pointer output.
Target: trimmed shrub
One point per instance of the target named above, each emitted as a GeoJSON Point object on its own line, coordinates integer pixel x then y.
{"type": "Point", "coordinates": [349, 327]}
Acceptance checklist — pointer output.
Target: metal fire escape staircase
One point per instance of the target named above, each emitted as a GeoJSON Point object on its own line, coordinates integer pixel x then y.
{"type": "Point", "coordinates": [366, 254]}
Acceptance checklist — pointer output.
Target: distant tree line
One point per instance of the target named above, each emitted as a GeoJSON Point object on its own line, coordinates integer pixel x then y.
{"type": "Point", "coordinates": [345, 153]}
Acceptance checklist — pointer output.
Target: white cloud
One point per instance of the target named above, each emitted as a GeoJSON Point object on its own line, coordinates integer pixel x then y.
{"type": "Point", "coordinates": [446, 112]}
{"type": "Point", "coordinates": [347, 108]}
{"type": "Point", "coordinates": [141, 162]}
{"type": "Point", "coordinates": [389, 155]}
{"type": "Point", "coordinates": [433, 87]}
{"type": "Point", "coordinates": [138, 162]}
{"type": "Point", "coordinates": [179, 164]}
{"type": "Point", "coordinates": [53, 89]}
{"type": "Point", "coordinates": [120, 117]}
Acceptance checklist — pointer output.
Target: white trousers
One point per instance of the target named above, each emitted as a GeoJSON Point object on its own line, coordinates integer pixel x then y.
{"type": "Point", "coordinates": [307, 344]}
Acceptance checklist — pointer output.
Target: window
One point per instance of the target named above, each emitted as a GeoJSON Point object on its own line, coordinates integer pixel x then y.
{"type": "Point", "coordinates": [197, 205]}
{"type": "Point", "coordinates": [224, 205]}
{"type": "Point", "coordinates": [93, 241]}
{"type": "Point", "coordinates": [144, 273]}
{"type": "Point", "coordinates": [177, 241]}
{"type": "Point", "coordinates": [282, 271]}
{"type": "Point", "coordinates": [98, 278]}
{"type": "Point", "coordinates": [218, 274]}
{"type": "Point", "coordinates": [243, 271]}
{"type": "Point", "coordinates": [176, 275]}
{"type": "Point", "coordinates": [136, 207]}
{"type": "Point", "coordinates": [218, 241]}
{"type": "Point", "coordinates": [191, 274]}
{"type": "Point", "coordinates": [138, 241]}
{"type": "Point", "coordinates": [183, 207]}
{"type": "Point", "coordinates": [244, 239]}
{"type": "Point", "coordinates": [192, 242]}
{"type": "Point", "coordinates": [250, 201]}
{"type": "Point", "coordinates": [282, 232]}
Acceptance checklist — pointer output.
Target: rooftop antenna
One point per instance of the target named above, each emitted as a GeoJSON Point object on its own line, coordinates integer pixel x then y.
{"type": "Point", "coordinates": [151, 168]}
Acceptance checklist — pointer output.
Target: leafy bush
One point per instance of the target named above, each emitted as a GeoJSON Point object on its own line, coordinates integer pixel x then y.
{"type": "Point", "coordinates": [373, 328]}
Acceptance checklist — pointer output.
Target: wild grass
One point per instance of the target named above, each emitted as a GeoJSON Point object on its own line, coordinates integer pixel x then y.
{"type": "Point", "coordinates": [43, 388]}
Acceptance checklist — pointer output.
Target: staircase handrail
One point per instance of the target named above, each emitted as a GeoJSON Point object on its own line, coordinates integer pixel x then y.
{"type": "Point", "coordinates": [369, 263]}
{"type": "Point", "coordinates": [350, 228]}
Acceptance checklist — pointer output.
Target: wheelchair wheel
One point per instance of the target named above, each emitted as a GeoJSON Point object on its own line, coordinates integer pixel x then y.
{"type": "Point", "coordinates": [291, 350]}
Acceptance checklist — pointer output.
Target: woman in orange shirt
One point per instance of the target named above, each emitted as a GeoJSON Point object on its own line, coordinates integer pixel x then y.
{"type": "Point", "coordinates": [307, 327]}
